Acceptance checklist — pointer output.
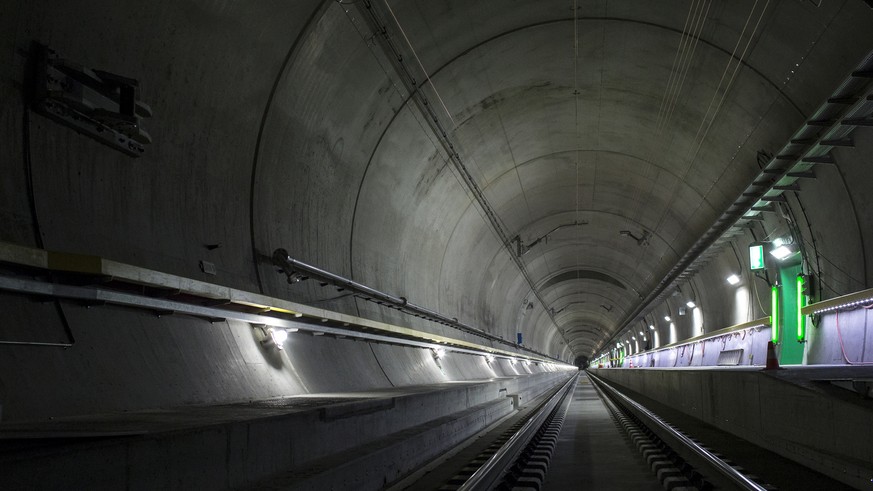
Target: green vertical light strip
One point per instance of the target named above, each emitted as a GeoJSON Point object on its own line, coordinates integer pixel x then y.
{"type": "Point", "coordinates": [774, 314]}
{"type": "Point", "coordinates": [801, 320]}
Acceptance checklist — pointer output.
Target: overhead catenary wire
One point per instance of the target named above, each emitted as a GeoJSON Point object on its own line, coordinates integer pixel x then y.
{"type": "Point", "coordinates": [441, 133]}
{"type": "Point", "coordinates": [673, 194]}
{"type": "Point", "coordinates": [695, 36]}
{"type": "Point", "coordinates": [665, 103]}
{"type": "Point", "coordinates": [698, 140]}
{"type": "Point", "coordinates": [730, 82]}
{"type": "Point", "coordinates": [418, 60]}
{"type": "Point", "coordinates": [695, 20]}
{"type": "Point", "coordinates": [674, 66]}
{"type": "Point", "coordinates": [660, 127]}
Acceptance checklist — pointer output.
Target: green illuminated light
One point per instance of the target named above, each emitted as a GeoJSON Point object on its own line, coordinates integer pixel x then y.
{"type": "Point", "coordinates": [756, 257]}
{"type": "Point", "coordinates": [801, 320]}
{"type": "Point", "coordinates": [774, 314]}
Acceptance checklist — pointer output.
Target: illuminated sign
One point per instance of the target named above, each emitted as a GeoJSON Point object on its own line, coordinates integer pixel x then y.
{"type": "Point", "coordinates": [756, 257]}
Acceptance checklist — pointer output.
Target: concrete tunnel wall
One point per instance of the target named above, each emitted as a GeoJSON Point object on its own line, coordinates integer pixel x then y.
{"type": "Point", "coordinates": [275, 126]}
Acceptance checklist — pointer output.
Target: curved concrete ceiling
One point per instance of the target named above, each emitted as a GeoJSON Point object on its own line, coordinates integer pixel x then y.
{"type": "Point", "coordinates": [638, 121]}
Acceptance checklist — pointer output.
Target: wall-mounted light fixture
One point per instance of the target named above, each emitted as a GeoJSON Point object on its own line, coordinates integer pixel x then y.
{"type": "Point", "coordinates": [277, 336]}
{"type": "Point", "coordinates": [866, 302]}
{"type": "Point", "coordinates": [667, 318]}
{"type": "Point", "coordinates": [781, 252]}
{"type": "Point", "coordinates": [733, 279]}
{"type": "Point", "coordinates": [651, 327]}
{"type": "Point", "coordinates": [691, 304]}
{"type": "Point", "coordinates": [781, 249]}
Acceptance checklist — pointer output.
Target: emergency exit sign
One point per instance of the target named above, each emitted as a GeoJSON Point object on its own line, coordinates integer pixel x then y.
{"type": "Point", "coordinates": [756, 257]}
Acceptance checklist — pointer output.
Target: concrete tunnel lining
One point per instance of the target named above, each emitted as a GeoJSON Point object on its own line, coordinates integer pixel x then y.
{"type": "Point", "coordinates": [279, 125]}
{"type": "Point", "coordinates": [436, 74]}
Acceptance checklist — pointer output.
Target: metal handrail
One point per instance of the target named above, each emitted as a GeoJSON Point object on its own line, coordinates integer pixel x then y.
{"type": "Point", "coordinates": [758, 323]}
{"type": "Point", "coordinates": [98, 295]}
{"type": "Point", "coordinates": [495, 467]}
{"type": "Point", "coordinates": [720, 465]}
{"type": "Point", "coordinates": [296, 270]}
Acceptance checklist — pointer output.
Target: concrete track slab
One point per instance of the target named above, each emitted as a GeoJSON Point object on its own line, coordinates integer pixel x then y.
{"type": "Point", "coordinates": [593, 453]}
{"type": "Point", "coordinates": [163, 420]}
{"type": "Point", "coordinates": [389, 432]}
{"type": "Point", "coordinates": [777, 470]}
{"type": "Point", "coordinates": [795, 412]}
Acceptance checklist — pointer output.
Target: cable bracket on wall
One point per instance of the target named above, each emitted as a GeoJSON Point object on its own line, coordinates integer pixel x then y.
{"type": "Point", "coordinates": [95, 103]}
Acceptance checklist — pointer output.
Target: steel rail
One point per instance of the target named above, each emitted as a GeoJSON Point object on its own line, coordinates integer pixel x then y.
{"type": "Point", "coordinates": [725, 469]}
{"type": "Point", "coordinates": [496, 467]}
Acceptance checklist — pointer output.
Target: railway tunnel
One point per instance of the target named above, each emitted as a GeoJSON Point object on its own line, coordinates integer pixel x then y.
{"type": "Point", "coordinates": [335, 244]}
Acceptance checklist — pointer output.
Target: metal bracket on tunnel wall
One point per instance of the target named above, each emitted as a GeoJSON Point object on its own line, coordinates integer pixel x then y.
{"type": "Point", "coordinates": [95, 103]}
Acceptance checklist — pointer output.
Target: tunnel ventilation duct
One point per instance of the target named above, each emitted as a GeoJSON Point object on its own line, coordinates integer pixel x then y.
{"type": "Point", "coordinates": [298, 270]}
{"type": "Point", "coordinates": [95, 103]}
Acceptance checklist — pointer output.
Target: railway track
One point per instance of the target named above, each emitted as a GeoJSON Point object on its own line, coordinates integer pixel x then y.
{"type": "Point", "coordinates": [520, 457]}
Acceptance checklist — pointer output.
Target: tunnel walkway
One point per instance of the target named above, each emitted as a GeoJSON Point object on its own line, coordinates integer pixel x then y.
{"type": "Point", "coordinates": [352, 440]}
{"type": "Point", "coordinates": [593, 451]}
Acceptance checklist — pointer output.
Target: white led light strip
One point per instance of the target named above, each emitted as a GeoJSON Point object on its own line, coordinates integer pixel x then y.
{"type": "Point", "coordinates": [862, 298]}
{"type": "Point", "coordinates": [866, 303]}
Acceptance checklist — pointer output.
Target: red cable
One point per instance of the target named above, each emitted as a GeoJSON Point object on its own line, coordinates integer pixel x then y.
{"type": "Point", "coordinates": [843, 347]}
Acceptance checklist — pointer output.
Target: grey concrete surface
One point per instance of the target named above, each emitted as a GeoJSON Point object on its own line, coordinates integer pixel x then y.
{"type": "Point", "coordinates": [354, 440]}
{"type": "Point", "coordinates": [286, 124]}
{"type": "Point", "coordinates": [779, 410]}
{"type": "Point", "coordinates": [594, 452]}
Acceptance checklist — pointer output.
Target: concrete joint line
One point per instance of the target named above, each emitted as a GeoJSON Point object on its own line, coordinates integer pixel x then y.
{"type": "Point", "coordinates": [425, 107]}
